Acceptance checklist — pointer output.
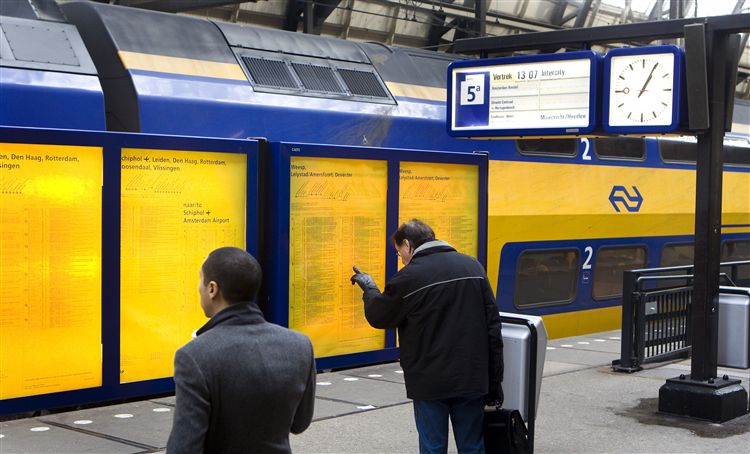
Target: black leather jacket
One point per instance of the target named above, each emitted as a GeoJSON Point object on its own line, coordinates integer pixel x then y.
{"type": "Point", "coordinates": [448, 325]}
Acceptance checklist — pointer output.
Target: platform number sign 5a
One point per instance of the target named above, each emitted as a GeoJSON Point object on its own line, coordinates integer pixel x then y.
{"type": "Point", "coordinates": [472, 90]}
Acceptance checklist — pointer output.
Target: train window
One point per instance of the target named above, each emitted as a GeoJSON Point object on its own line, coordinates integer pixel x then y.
{"type": "Point", "coordinates": [548, 147]}
{"type": "Point", "coordinates": [735, 251]}
{"type": "Point", "coordinates": [628, 148]}
{"type": "Point", "coordinates": [682, 151]}
{"type": "Point", "coordinates": [734, 155]}
{"type": "Point", "coordinates": [611, 262]}
{"type": "Point", "coordinates": [270, 73]}
{"type": "Point", "coordinates": [362, 83]}
{"type": "Point", "coordinates": [318, 78]}
{"type": "Point", "coordinates": [675, 255]}
{"type": "Point", "coordinates": [678, 151]}
{"type": "Point", "coordinates": [546, 278]}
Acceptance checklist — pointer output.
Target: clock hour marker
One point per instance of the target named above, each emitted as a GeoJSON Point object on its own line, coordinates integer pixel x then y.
{"type": "Point", "coordinates": [644, 63]}
{"type": "Point", "coordinates": [622, 78]}
{"type": "Point", "coordinates": [667, 89]}
{"type": "Point", "coordinates": [630, 66]}
{"type": "Point", "coordinates": [654, 114]}
{"type": "Point", "coordinates": [664, 104]}
{"type": "Point", "coordinates": [665, 75]}
{"type": "Point", "coordinates": [641, 117]}
{"type": "Point", "coordinates": [629, 114]}
{"type": "Point", "coordinates": [621, 105]}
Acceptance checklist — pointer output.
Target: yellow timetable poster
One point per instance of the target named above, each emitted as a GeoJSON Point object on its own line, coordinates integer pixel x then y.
{"type": "Point", "coordinates": [445, 196]}
{"type": "Point", "coordinates": [50, 268]}
{"type": "Point", "coordinates": [337, 218]}
{"type": "Point", "coordinates": [176, 207]}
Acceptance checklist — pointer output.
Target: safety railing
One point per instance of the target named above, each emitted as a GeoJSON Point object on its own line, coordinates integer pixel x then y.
{"type": "Point", "coordinates": [656, 313]}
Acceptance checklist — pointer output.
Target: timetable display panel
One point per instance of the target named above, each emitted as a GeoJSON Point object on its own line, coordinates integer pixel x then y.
{"type": "Point", "coordinates": [50, 268]}
{"type": "Point", "coordinates": [176, 207]}
{"type": "Point", "coordinates": [446, 197]}
{"type": "Point", "coordinates": [337, 217]}
{"type": "Point", "coordinates": [545, 94]}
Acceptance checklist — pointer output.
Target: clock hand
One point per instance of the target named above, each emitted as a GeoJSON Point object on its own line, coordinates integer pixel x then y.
{"type": "Point", "coordinates": [647, 80]}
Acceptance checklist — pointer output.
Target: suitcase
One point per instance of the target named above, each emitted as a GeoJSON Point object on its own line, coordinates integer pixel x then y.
{"type": "Point", "coordinates": [505, 432]}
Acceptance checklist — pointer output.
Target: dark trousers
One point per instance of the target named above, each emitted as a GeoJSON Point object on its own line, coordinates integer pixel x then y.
{"type": "Point", "coordinates": [466, 415]}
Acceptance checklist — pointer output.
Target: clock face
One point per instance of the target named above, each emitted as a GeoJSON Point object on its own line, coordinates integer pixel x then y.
{"type": "Point", "coordinates": [641, 90]}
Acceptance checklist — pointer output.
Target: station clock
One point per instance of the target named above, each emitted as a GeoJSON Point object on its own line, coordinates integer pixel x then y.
{"type": "Point", "coordinates": [642, 88]}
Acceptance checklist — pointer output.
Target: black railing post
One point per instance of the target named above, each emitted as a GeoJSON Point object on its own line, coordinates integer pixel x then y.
{"type": "Point", "coordinates": [626, 363]}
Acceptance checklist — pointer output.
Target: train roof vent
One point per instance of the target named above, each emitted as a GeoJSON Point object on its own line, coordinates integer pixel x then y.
{"type": "Point", "coordinates": [363, 83]}
{"type": "Point", "coordinates": [270, 73]}
{"type": "Point", "coordinates": [318, 78]}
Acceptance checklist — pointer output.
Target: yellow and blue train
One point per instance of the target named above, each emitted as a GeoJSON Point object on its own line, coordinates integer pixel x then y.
{"type": "Point", "coordinates": [565, 216]}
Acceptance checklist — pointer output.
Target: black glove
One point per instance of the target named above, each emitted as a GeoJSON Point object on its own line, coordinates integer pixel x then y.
{"type": "Point", "coordinates": [495, 397]}
{"type": "Point", "coordinates": [364, 280]}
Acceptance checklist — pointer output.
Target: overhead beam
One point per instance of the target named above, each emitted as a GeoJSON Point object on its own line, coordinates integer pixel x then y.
{"type": "Point", "coordinates": [599, 35]}
{"type": "Point", "coordinates": [313, 13]}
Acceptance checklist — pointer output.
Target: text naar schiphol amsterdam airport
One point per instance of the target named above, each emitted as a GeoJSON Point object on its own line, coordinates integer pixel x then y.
{"type": "Point", "coordinates": [552, 94]}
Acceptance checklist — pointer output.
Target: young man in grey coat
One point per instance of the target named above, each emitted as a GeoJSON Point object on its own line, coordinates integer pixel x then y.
{"type": "Point", "coordinates": [242, 384]}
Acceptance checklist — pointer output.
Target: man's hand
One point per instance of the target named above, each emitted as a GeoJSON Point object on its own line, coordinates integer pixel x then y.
{"type": "Point", "coordinates": [495, 397]}
{"type": "Point", "coordinates": [364, 280]}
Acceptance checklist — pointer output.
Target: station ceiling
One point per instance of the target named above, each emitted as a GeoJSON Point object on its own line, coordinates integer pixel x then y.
{"type": "Point", "coordinates": [438, 24]}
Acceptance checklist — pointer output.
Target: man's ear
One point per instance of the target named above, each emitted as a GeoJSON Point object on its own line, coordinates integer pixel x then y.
{"type": "Point", "coordinates": [213, 289]}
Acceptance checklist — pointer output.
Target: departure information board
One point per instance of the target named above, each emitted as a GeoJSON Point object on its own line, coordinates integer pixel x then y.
{"type": "Point", "coordinates": [50, 268]}
{"type": "Point", "coordinates": [337, 219]}
{"type": "Point", "coordinates": [526, 95]}
{"type": "Point", "coordinates": [176, 207]}
{"type": "Point", "coordinates": [445, 196]}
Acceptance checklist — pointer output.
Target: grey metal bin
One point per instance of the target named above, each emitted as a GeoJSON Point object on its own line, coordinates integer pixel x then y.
{"type": "Point", "coordinates": [734, 327]}
{"type": "Point", "coordinates": [520, 332]}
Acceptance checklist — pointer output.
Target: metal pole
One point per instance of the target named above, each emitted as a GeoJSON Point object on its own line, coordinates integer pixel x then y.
{"type": "Point", "coordinates": [704, 320]}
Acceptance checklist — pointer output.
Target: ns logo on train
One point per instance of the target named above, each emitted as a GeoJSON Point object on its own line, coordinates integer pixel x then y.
{"type": "Point", "coordinates": [620, 197]}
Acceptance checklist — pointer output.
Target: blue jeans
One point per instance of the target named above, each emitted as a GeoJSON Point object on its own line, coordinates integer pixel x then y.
{"type": "Point", "coordinates": [466, 416]}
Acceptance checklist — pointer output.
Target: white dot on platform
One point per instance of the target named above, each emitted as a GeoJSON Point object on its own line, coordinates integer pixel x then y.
{"type": "Point", "coordinates": [615, 338]}
{"type": "Point", "coordinates": [351, 379]}
{"type": "Point", "coordinates": [124, 415]}
{"type": "Point", "coordinates": [323, 383]}
{"type": "Point", "coordinates": [161, 410]}
{"type": "Point", "coordinates": [551, 348]}
{"type": "Point", "coordinates": [39, 429]}
{"type": "Point", "coordinates": [374, 375]}
{"type": "Point", "coordinates": [600, 340]}
{"type": "Point", "coordinates": [365, 407]}
{"type": "Point", "coordinates": [566, 345]}
{"type": "Point", "coordinates": [583, 343]}
{"type": "Point", "coordinates": [83, 422]}
{"type": "Point", "coordinates": [398, 371]}
{"type": "Point", "coordinates": [2, 436]}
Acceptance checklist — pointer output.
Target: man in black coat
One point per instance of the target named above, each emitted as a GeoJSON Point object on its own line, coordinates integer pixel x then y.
{"type": "Point", "coordinates": [449, 332]}
{"type": "Point", "coordinates": [242, 384]}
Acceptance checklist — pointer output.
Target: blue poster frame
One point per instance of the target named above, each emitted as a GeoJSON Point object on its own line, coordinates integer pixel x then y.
{"type": "Point", "coordinates": [595, 60]}
{"type": "Point", "coordinates": [679, 111]}
{"type": "Point", "coordinates": [112, 144]}
{"type": "Point", "coordinates": [277, 277]}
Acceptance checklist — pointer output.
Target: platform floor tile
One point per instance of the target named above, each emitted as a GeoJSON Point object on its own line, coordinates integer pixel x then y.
{"type": "Point", "coordinates": [390, 372]}
{"type": "Point", "coordinates": [39, 437]}
{"type": "Point", "coordinates": [146, 423]}
{"type": "Point", "coordinates": [360, 391]}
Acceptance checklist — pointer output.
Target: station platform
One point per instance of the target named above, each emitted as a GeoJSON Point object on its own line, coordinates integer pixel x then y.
{"type": "Point", "coordinates": [584, 407]}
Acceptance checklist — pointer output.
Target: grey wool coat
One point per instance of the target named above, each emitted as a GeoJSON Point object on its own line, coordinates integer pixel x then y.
{"type": "Point", "coordinates": [242, 386]}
